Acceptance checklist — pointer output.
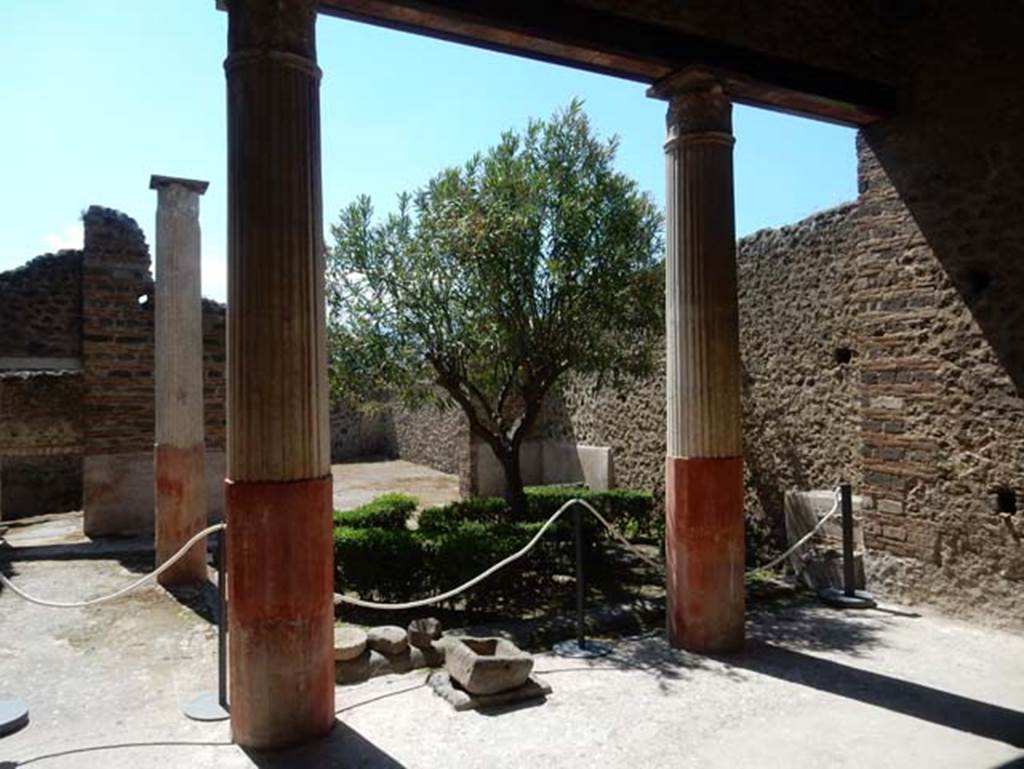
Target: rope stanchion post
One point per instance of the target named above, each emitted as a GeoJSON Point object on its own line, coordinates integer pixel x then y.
{"type": "Point", "coordinates": [13, 715]}
{"type": "Point", "coordinates": [222, 620]}
{"type": "Point", "coordinates": [846, 505]}
{"type": "Point", "coordinates": [210, 706]}
{"type": "Point", "coordinates": [582, 648]}
{"type": "Point", "coordinates": [849, 597]}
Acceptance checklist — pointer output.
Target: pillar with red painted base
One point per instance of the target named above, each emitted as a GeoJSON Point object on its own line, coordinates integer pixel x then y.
{"type": "Point", "coordinates": [704, 466]}
{"type": "Point", "coordinates": [178, 463]}
{"type": "Point", "coordinates": [279, 484]}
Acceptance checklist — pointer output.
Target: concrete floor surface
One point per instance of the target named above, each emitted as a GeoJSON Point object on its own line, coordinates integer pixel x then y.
{"type": "Point", "coordinates": [816, 687]}
{"type": "Point", "coordinates": [356, 483]}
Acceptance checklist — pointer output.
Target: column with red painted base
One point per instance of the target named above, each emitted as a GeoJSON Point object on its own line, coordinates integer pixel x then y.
{"type": "Point", "coordinates": [281, 611]}
{"type": "Point", "coordinates": [178, 462]}
{"type": "Point", "coordinates": [704, 467]}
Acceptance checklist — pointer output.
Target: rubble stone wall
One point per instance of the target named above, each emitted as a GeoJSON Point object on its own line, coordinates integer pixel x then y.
{"type": "Point", "coordinates": [41, 310]}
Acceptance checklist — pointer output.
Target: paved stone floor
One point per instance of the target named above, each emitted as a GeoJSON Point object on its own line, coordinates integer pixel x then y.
{"type": "Point", "coordinates": [815, 687]}
{"type": "Point", "coordinates": [356, 483]}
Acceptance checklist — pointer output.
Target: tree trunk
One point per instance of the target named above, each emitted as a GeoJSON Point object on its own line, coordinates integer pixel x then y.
{"type": "Point", "coordinates": [514, 494]}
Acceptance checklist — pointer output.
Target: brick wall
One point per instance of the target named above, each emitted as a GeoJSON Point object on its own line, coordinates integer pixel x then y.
{"type": "Point", "coordinates": [117, 335]}
{"type": "Point", "coordinates": [40, 442]}
{"type": "Point", "coordinates": [214, 377]}
{"type": "Point", "coordinates": [41, 311]}
{"type": "Point", "coordinates": [117, 346]}
{"type": "Point", "coordinates": [93, 309]}
{"type": "Point", "coordinates": [38, 416]}
{"type": "Point", "coordinates": [864, 358]}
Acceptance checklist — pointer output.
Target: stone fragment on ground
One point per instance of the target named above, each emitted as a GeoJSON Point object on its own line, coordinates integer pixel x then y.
{"type": "Point", "coordinates": [371, 664]}
{"type": "Point", "coordinates": [450, 691]}
{"type": "Point", "coordinates": [349, 642]}
{"type": "Point", "coordinates": [388, 639]}
{"type": "Point", "coordinates": [424, 631]}
{"type": "Point", "coordinates": [486, 665]}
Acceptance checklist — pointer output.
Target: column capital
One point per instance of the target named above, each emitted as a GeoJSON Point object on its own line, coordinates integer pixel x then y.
{"type": "Point", "coordinates": [283, 30]}
{"type": "Point", "coordinates": [283, 25]}
{"type": "Point", "coordinates": [698, 102]}
{"type": "Point", "coordinates": [197, 186]}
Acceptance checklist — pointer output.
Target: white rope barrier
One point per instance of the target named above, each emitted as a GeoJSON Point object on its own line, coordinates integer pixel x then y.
{"type": "Point", "coordinates": [424, 601]}
{"type": "Point", "coordinates": [498, 566]}
{"type": "Point", "coordinates": [776, 561]}
{"type": "Point", "coordinates": [123, 591]}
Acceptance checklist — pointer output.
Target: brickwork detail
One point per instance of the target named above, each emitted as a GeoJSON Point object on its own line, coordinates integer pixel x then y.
{"type": "Point", "coordinates": [96, 306]}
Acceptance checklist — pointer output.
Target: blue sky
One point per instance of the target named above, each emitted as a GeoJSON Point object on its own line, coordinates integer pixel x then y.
{"type": "Point", "coordinates": [99, 94]}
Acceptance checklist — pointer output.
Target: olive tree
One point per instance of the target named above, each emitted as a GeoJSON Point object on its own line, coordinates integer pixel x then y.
{"type": "Point", "coordinates": [492, 282]}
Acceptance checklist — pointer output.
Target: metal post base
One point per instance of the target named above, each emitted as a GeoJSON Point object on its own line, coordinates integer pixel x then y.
{"type": "Point", "coordinates": [860, 599]}
{"type": "Point", "coordinates": [13, 715]}
{"type": "Point", "coordinates": [206, 707]}
{"type": "Point", "coordinates": [588, 650]}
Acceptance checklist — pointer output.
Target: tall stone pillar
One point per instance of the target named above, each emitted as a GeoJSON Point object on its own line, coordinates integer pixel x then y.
{"type": "Point", "coordinates": [179, 471]}
{"type": "Point", "coordinates": [704, 466]}
{"type": "Point", "coordinates": [279, 479]}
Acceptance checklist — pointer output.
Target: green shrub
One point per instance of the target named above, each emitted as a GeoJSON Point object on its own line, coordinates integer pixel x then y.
{"type": "Point", "coordinates": [464, 551]}
{"type": "Point", "coordinates": [630, 511]}
{"type": "Point", "coordinates": [377, 557]}
{"type": "Point", "coordinates": [487, 510]}
{"type": "Point", "coordinates": [388, 511]}
{"type": "Point", "coordinates": [379, 564]}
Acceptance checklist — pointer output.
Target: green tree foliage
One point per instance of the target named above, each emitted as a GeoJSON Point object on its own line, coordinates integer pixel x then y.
{"type": "Point", "coordinates": [497, 278]}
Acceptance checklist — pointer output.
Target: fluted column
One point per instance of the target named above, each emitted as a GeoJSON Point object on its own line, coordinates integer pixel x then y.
{"type": "Point", "coordinates": [279, 481]}
{"type": "Point", "coordinates": [704, 466]}
{"type": "Point", "coordinates": [179, 469]}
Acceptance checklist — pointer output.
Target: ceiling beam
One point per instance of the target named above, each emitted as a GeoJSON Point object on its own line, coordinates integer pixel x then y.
{"type": "Point", "coordinates": [560, 32]}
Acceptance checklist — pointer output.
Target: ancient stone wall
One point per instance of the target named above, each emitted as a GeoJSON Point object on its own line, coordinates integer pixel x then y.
{"type": "Point", "coordinates": [359, 436]}
{"type": "Point", "coordinates": [117, 335]}
{"type": "Point", "coordinates": [76, 371]}
{"type": "Point", "coordinates": [40, 442]}
{"type": "Point", "coordinates": [214, 377]}
{"type": "Point", "coordinates": [942, 196]}
{"type": "Point", "coordinates": [863, 358]}
{"type": "Point", "coordinates": [41, 312]}
{"type": "Point", "coordinates": [437, 438]}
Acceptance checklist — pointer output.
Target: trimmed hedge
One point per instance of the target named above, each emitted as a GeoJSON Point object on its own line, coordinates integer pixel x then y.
{"type": "Point", "coordinates": [630, 511]}
{"type": "Point", "coordinates": [486, 510]}
{"type": "Point", "coordinates": [379, 564]}
{"type": "Point", "coordinates": [388, 511]}
{"type": "Point", "coordinates": [380, 559]}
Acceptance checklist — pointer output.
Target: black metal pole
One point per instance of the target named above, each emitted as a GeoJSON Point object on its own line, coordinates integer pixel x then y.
{"type": "Point", "coordinates": [580, 584]}
{"type": "Point", "coordinates": [222, 619]}
{"type": "Point", "coordinates": [846, 501]}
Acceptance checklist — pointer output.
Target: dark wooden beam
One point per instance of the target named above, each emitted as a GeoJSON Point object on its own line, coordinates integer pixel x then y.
{"type": "Point", "coordinates": [563, 33]}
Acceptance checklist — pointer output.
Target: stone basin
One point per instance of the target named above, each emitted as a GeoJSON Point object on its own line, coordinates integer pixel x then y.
{"type": "Point", "coordinates": [486, 665]}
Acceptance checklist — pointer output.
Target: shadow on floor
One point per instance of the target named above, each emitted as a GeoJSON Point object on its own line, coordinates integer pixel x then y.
{"type": "Point", "coordinates": [135, 554]}
{"type": "Point", "coordinates": [905, 697]}
{"type": "Point", "coordinates": [105, 748]}
{"type": "Point", "coordinates": [343, 747]}
{"type": "Point", "coordinates": [813, 627]}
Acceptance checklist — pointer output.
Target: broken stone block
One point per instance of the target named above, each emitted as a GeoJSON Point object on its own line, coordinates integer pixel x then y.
{"type": "Point", "coordinates": [349, 642]}
{"type": "Point", "coordinates": [353, 671]}
{"type": "Point", "coordinates": [441, 682]}
{"type": "Point", "coordinates": [424, 631]}
{"type": "Point", "coordinates": [486, 665]}
{"type": "Point", "coordinates": [389, 640]}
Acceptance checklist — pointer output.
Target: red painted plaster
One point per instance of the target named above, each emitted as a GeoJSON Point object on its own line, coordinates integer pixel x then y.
{"type": "Point", "coordinates": [180, 511]}
{"type": "Point", "coordinates": [704, 552]}
{"type": "Point", "coordinates": [280, 611]}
